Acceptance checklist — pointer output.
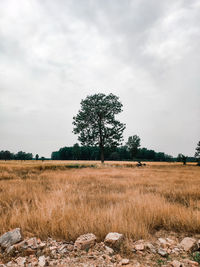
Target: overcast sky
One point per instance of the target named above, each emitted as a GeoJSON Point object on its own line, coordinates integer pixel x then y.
{"type": "Point", "coordinates": [55, 53]}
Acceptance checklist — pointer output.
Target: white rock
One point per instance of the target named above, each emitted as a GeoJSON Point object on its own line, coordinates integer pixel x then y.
{"type": "Point", "coordinates": [187, 243]}
{"type": "Point", "coordinates": [32, 242]}
{"type": "Point", "coordinates": [175, 250]}
{"type": "Point", "coordinates": [11, 264]}
{"type": "Point", "coordinates": [162, 252]}
{"type": "Point", "coordinates": [139, 246]}
{"type": "Point", "coordinates": [21, 261]}
{"type": "Point", "coordinates": [176, 263]}
{"type": "Point", "coordinates": [41, 261]}
{"type": "Point", "coordinates": [85, 241]}
{"type": "Point", "coordinates": [170, 241]}
{"type": "Point", "coordinates": [114, 239]}
{"type": "Point", "coordinates": [124, 261]}
{"type": "Point", "coordinates": [10, 238]}
{"type": "Point", "coordinates": [162, 241]}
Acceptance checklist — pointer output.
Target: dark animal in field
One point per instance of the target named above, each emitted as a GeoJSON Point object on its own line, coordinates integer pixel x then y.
{"type": "Point", "coordinates": [139, 164]}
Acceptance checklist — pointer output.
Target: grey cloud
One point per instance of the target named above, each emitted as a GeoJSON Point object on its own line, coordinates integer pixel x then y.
{"type": "Point", "coordinates": [54, 53]}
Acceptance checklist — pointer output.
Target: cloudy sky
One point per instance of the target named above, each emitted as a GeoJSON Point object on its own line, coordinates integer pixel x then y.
{"type": "Point", "coordinates": [55, 53]}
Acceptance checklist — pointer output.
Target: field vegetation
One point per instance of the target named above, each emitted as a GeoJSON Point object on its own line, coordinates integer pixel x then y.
{"type": "Point", "coordinates": [65, 199]}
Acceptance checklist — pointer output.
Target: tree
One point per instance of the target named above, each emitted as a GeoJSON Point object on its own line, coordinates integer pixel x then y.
{"type": "Point", "coordinates": [76, 151]}
{"type": "Point", "coordinates": [95, 122]}
{"type": "Point", "coordinates": [133, 144]}
{"type": "Point", "coordinates": [36, 157]}
{"type": "Point", "coordinates": [197, 153]}
{"type": "Point", "coordinates": [55, 155]}
{"type": "Point", "coordinates": [6, 155]}
{"type": "Point", "coordinates": [182, 158]}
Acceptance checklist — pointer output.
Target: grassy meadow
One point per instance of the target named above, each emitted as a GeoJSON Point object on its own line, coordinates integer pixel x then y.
{"type": "Point", "coordinates": [64, 199]}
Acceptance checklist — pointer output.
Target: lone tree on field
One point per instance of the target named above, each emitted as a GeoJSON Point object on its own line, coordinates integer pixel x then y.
{"type": "Point", "coordinates": [197, 154]}
{"type": "Point", "coordinates": [95, 122]}
{"type": "Point", "coordinates": [133, 144]}
{"type": "Point", "coordinates": [182, 158]}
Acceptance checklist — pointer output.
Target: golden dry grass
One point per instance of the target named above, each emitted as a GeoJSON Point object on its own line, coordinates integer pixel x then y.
{"type": "Point", "coordinates": [49, 199]}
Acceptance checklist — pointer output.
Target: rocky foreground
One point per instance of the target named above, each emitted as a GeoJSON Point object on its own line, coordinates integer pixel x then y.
{"type": "Point", "coordinates": [85, 251]}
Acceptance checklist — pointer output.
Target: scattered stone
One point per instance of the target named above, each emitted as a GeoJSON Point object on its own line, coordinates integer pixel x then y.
{"type": "Point", "coordinates": [70, 247]}
{"type": "Point", "coordinates": [124, 261]}
{"type": "Point", "coordinates": [175, 250]}
{"type": "Point", "coordinates": [109, 250]}
{"type": "Point", "coordinates": [187, 243]}
{"type": "Point", "coordinates": [118, 258]}
{"type": "Point", "coordinates": [41, 261]}
{"type": "Point", "coordinates": [139, 245]}
{"type": "Point", "coordinates": [85, 241]}
{"type": "Point", "coordinates": [33, 261]}
{"type": "Point", "coordinates": [21, 261]}
{"type": "Point", "coordinates": [162, 252]}
{"type": "Point", "coordinates": [170, 241]}
{"type": "Point", "coordinates": [10, 238]}
{"type": "Point", "coordinates": [136, 264]}
{"type": "Point", "coordinates": [151, 247]}
{"type": "Point", "coordinates": [42, 245]}
{"type": "Point", "coordinates": [10, 249]}
{"type": "Point", "coordinates": [190, 263]}
{"type": "Point", "coordinates": [114, 240]}
{"type": "Point", "coordinates": [106, 257]}
{"type": "Point", "coordinates": [176, 263]}
{"type": "Point", "coordinates": [32, 242]}
{"type": "Point", "coordinates": [11, 264]}
{"type": "Point", "coordinates": [53, 248]}
{"type": "Point", "coordinates": [85, 252]}
{"type": "Point", "coordinates": [162, 241]}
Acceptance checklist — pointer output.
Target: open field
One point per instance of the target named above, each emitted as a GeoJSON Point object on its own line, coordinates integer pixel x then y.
{"type": "Point", "coordinates": [61, 200]}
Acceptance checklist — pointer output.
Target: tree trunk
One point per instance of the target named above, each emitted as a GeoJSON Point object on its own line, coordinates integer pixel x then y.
{"type": "Point", "coordinates": [101, 144]}
{"type": "Point", "coordinates": [102, 153]}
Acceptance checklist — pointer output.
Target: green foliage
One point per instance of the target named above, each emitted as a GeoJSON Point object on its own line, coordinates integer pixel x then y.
{"type": "Point", "coordinates": [182, 158]}
{"type": "Point", "coordinates": [95, 122]}
{"type": "Point", "coordinates": [133, 144]}
{"type": "Point", "coordinates": [24, 156]}
{"type": "Point", "coordinates": [115, 156]}
{"type": "Point", "coordinates": [196, 256]}
{"type": "Point", "coordinates": [160, 262]}
{"type": "Point", "coordinates": [118, 153]}
{"type": "Point", "coordinates": [197, 153]}
{"type": "Point", "coordinates": [7, 155]}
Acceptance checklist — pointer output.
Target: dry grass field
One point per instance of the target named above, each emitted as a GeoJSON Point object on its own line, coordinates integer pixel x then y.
{"type": "Point", "coordinates": [60, 200]}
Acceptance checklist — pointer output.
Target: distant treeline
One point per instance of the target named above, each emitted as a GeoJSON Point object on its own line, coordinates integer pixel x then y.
{"type": "Point", "coordinates": [77, 152]}
{"type": "Point", "coordinates": [7, 155]}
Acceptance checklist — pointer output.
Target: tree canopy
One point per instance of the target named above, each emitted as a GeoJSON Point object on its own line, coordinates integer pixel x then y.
{"type": "Point", "coordinates": [96, 124]}
{"type": "Point", "coordinates": [197, 153]}
{"type": "Point", "coordinates": [133, 144]}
